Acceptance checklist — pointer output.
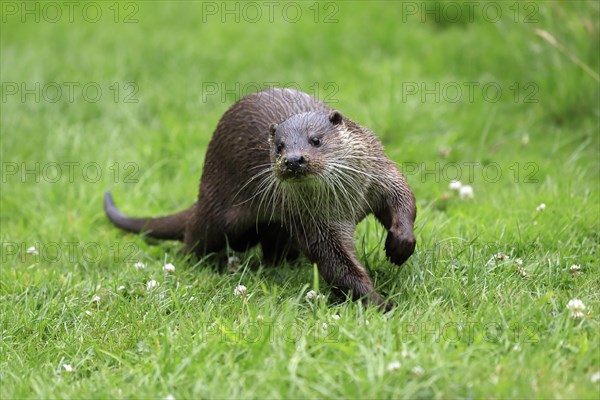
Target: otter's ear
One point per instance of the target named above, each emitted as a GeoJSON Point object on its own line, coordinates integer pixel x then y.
{"type": "Point", "coordinates": [272, 129]}
{"type": "Point", "coordinates": [335, 117]}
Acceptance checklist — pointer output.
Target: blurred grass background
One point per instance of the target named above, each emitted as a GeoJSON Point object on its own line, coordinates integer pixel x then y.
{"type": "Point", "coordinates": [362, 58]}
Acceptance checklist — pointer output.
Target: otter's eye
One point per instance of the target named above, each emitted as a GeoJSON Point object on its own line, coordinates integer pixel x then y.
{"type": "Point", "coordinates": [315, 141]}
{"type": "Point", "coordinates": [279, 147]}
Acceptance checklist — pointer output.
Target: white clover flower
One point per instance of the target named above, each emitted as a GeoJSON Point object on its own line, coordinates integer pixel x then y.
{"type": "Point", "coordinates": [366, 322]}
{"type": "Point", "coordinates": [152, 284]}
{"type": "Point", "coordinates": [501, 256]}
{"type": "Point", "coordinates": [239, 291]}
{"type": "Point", "coordinates": [519, 262]}
{"type": "Point", "coordinates": [595, 377]}
{"type": "Point", "coordinates": [336, 317]}
{"type": "Point", "coordinates": [466, 192]}
{"type": "Point", "coordinates": [139, 265]}
{"type": "Point", "coordinates": [120, 288]}
{"type": "Point", "coordinates": [96, 299]}
{"type": "Point", "coordinates": [233, 262]}
{"type": "Point", "coordinates": [521, 271]}
{"type": "Point", "coordinates": [68, 367]}
{"type": "Point", "coordinates": [455, 185]}
{"type": "Point", "coordinates": [312, 295]}
{"type": "Point", "coordinates": [541, 207]}
{"type": "Point", "coordinates": [576, 307]}
{"type": "Point", "coordinates": [575, 268]}
{"type": "Point", "coordinates": [170, 397]}
{"type": "Point", "coordinates": [32, 250]}
{"type": "Point", "coordinates": [393, 366]}
{"type": "Point", "coordinates": [259, 317]}
{"type": "Point", "coordinates": [169, 268]}
{"type": "Point", "coordinates": [417, 370]}
{"type": "Point", "coordinates": [325, 326]}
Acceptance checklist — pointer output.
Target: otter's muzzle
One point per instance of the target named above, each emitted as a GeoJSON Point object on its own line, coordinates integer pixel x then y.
{"type": "Point", "coordinates": [295, 163]}
{"type": "Point", "coordinates": [293, 166]}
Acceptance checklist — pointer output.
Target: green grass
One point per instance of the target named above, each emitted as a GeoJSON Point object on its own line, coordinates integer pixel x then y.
{"type": "Point", "coordinates": [475, 328]}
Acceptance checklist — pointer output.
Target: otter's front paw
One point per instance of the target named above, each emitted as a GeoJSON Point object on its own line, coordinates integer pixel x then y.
{"type": "Point", "coordinates": [399, 246]}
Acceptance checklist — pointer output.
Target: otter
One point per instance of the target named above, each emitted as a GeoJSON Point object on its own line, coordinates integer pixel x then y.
{"type": "Point", "coordinates": [286, 171]}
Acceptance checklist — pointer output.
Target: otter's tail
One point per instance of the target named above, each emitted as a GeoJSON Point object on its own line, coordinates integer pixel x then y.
{"type": "Point", "coordinates": [168, 227]}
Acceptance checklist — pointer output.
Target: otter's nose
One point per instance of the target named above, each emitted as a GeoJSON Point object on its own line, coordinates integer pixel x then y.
{"type": "Point", "coordinates": [295, 162]}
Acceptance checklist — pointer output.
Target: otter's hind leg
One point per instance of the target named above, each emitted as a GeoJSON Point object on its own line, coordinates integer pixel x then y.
{"type": "Point", "coordinates": [204, 233]}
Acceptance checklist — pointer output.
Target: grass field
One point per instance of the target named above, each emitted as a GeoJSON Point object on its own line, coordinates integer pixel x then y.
{"type": "Point", "coordinates": [125, 96]}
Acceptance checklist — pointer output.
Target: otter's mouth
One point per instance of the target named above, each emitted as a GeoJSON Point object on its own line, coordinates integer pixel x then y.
{"type": "Point", "coordinates": [292, 167]}
{"type": "Point", "coordinates": [293, 176]}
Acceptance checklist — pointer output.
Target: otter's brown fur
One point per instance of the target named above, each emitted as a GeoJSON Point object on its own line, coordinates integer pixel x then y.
{"type": "Point", "coordinates": [288, 172]}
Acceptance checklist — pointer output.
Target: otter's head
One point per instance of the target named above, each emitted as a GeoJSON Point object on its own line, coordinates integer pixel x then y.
{"type": "Point", "coordinates": [300, 144]}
